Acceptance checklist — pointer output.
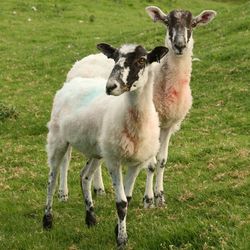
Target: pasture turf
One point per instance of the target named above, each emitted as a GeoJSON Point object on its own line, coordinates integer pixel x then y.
{"type": "Point", "coordinates": [207, 180]}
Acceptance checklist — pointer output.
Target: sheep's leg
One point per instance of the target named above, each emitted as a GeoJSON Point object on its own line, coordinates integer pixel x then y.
{"type": "Point", "coordinates": [130, 178]}
{"type": "Point", "coordinates": [63, 188]}
{"type": "Point", "coordinates": [121, 203]}
{"type": "Point", "coordinates": [148, 198]}
{"type": "Point", "coordinates": [161, 161]}
{"type": "Point", "coordinates": [97, 182]}
{"type": "Point", "coordinates": [55, 156]}
{"type": "Point", "coordinates": [85, 180]}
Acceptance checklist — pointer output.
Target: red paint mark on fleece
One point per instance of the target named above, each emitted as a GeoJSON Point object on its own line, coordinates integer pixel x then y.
{"type": "Point", "coordinates": [173, 95]}
{"type": "Point", "coordinates": [184, 81]}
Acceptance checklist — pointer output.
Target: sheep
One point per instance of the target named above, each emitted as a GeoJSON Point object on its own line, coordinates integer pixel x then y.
{"type": "Point", "coordinates": [122, 129]}
{"type": "Point", "coordinates": [91, 65]}
{"type": "Point", "coordinates": [172, 93]}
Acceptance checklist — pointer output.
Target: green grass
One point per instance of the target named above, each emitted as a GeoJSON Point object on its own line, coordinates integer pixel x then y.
{"type": "Point", "coordinates": [207, 182]}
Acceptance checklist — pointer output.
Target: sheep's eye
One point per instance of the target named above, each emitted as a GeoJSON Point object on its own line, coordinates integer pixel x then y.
{"type": "Point", "coordinates": [141, 61]}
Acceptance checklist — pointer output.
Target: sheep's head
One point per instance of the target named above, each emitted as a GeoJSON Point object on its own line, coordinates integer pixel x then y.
{"type": "Point", "coordinates": [180, 24]}
{"type": "Point", "coordinates": [131, 67]}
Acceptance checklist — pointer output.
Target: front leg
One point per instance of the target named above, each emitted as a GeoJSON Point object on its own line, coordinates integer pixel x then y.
{"type": "Point", "coordinates": [121, 203]}
{"type": "Point", "coordinates": [160, 166]}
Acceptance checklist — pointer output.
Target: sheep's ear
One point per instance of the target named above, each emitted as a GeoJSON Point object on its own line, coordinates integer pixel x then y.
{"type": "Point", "coordinates": [156, 54]}
{"type": "Point", "coordinates": [107, 50]}
{"type": "Point", "coordinates": [204, 18]}
{"type": "Point", "coordinates": [156, 14]}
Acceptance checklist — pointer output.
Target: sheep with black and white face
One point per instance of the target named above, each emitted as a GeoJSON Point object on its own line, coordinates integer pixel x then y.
{"type": "Point", "coordinates": [119, 129]}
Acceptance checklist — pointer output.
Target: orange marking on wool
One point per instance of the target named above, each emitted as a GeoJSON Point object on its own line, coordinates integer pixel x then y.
{"type": "Point", "coordinates": [129, 142]}
{"type": "Point", "coordinates": [133, 115]}
{"type": "Point", "coordinates": [130, 136]}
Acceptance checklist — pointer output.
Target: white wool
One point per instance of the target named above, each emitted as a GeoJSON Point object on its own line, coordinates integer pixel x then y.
{"type": "Point", "coordinates": [95, 65]}
{"type": "Point", "coordinates": [171, 66]}
{"type": "Point", "coordinates": [95, 123]}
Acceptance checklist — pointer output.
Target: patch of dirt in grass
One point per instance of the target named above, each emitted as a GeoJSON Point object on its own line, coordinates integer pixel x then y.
{"type": "Point", "coordinates": [244, 153]}
{"type": "Point", "coordinates": [237, 174]}
{"type": "Point", "coordinates": [211, 165]}
{"type": "Point", "coordinates": [4, 186]}
{"type": "Point", "coordinates": [187, 195]}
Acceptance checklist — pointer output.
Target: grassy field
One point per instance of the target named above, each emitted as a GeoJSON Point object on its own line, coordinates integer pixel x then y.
{"type": "Point", "coordinates": [207, 181]}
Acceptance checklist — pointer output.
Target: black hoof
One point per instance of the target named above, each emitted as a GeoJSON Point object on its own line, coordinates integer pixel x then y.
{"type": "Point", "coordinates": [90, 218]}
{"type": "Point", "coordinates": [47, 221]}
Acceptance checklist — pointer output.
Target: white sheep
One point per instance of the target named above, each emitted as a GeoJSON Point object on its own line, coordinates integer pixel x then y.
{"type": "Point", "coordinates": [100, 66]}
{"type": "Point", "coordinates": [172, 93]}
{"type": "Point", "coordinates": [122, 129]}
{"type": "Point", "coordinates": [92, 66]}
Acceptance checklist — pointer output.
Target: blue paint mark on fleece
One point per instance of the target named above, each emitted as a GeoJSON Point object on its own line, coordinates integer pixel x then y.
{"type": "Point", "coordinates": [91, 95]}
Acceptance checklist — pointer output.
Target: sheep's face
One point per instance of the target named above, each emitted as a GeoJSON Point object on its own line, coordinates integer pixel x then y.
{"type": "Point", "coordinates": [180, 24]}
{"type": "Point", "coordinates": [131, 67]}
{"type": "Point", "coordinates": [179, 33]}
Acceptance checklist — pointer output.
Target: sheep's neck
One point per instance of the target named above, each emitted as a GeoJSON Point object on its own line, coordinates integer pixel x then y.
{"type": "Point", "coordinates": [172, 92]}
{"type": "Point", "coordinates": [138, 113]}
{"type": "Point", "coordinates": [174, 70]}
{"type": "Point", "coordinates": [140, 98]}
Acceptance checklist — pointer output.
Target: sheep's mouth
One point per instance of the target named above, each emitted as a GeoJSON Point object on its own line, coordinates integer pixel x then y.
{"type": "Point", "coordinates": [179, 53]}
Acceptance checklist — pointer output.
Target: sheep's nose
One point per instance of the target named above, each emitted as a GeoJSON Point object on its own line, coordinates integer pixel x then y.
{"type": "Point", "coordinates": [110, 88]}
{"type": "Point", "coordinates": [180, 47]}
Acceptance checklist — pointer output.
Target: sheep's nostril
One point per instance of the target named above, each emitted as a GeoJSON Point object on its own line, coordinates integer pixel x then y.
{"type": "Point", "coordinates": [179, 47]}
{"type": "Point", "coordinates": [110, 88]}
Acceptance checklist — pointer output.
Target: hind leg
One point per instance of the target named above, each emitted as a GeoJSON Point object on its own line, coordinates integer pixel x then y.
{"type": "Point", "coordinates": [85, 180]}
{"type": "Point", "coordinates": [98, 182]}
{"type": "Point", "coordinates": [148, 198]}
{"type": "Point", "coordinates": [160, 166]}
{"type": "Point", "coordinates": [56, 152]}
{"type": "Point", "coordinates": [63, 188]}
{"type": "Point", "coordinates": [130, 178]}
